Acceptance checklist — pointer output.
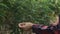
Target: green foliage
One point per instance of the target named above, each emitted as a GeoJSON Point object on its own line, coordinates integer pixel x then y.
{"type": "Point", "coordinates": [37, 11]}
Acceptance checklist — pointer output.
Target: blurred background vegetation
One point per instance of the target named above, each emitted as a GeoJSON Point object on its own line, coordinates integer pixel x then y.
{"type": "Point", "coordinates": [13, 12]}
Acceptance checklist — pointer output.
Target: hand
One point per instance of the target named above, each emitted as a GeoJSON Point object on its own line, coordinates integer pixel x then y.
{"type": "Point", "coordinates": [25, 25]}
{"type": "Point", "coordinates": [56, 21]}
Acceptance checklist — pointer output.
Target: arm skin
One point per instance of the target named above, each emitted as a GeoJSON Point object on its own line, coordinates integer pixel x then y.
{"type": "Point", "coordinates": [38, 27]}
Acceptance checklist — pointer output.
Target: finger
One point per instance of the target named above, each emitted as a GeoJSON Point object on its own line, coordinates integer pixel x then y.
{"type": "Point", "coordinates": [21, 24]}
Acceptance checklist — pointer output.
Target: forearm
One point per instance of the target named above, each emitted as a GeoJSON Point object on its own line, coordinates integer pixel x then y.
{"type": "Point", "coordinates": [39, 26]}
